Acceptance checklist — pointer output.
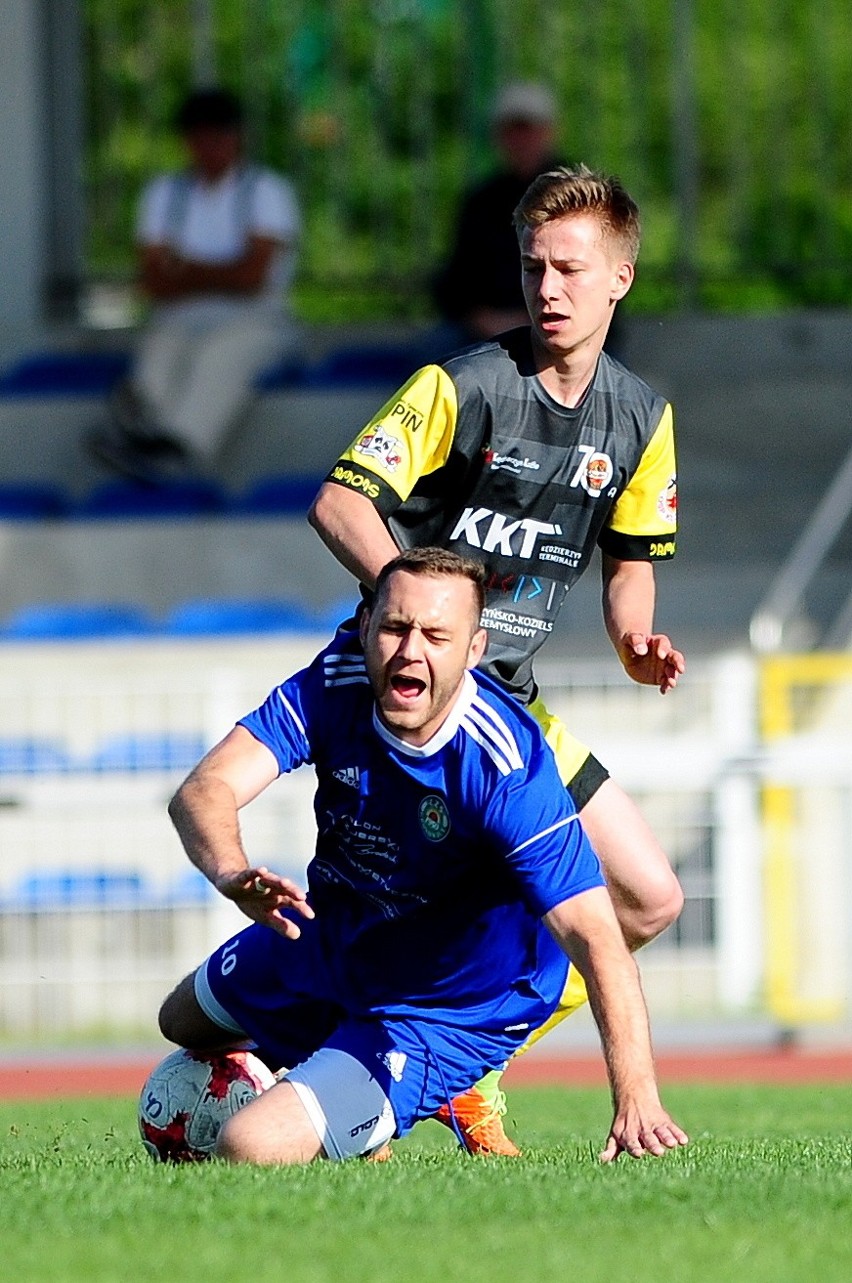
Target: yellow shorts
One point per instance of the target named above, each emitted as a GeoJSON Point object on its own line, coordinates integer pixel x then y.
{"type": "Point", "coordinates": [582, 773]}
{"type": "Point", "coordinates": [579, 770]}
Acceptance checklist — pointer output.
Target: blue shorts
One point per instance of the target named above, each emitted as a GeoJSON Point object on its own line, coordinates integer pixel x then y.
{"type": "Point", "coordinates": [277, 992]}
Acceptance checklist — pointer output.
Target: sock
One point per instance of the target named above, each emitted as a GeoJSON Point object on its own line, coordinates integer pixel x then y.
{"type": "Point", "coordinates": [489, 1086]}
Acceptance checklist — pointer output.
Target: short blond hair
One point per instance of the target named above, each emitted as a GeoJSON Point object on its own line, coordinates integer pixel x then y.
{"type": "Point", "coordinates": [581, 191]}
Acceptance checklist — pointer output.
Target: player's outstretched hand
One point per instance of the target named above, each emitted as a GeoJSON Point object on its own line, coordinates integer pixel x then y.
{"type": "Point", "coordinates": [262, 895]}
{"type": "Point", "coordinates": [651, 661]}
{"type": "Point", "coordinates": [638, 1131]}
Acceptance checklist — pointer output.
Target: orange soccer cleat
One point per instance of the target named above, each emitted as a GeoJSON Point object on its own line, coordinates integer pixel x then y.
{"type": "Point", "coordinates": [480, 1122]}
{"type": "Point", "coordinates": [380, 1155]}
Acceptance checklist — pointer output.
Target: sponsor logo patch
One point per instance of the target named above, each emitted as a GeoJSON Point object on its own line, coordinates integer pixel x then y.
{"type": "Point", "coordinates": [380, 445]}
{"type": "Point", "coordinates": [594, 471]}
{"type": "Point", "coordinates": [367, 1125]}
{"type": "Point", "coordinates": [667, 502]}
{"type": "Point", "coordinates": [509, 462]}
{"type": "Point", "coordinates": [356, 481]}
{"type": "Point", "coordinates": [494, 532]}
{"type": "Point", "coordinates": [409, 418]}
{"type": "Point", "coordinates": [598, 473]}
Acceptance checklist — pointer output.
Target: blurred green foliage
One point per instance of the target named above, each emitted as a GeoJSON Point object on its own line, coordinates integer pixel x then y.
{"type": "Point", "coordinates": [729, 120]}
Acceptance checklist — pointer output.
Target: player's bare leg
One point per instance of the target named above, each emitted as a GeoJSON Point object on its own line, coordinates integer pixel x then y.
{"type": "Point", "coordinates": [273, 1129]}
{"type": "Point", "coordinates": [642, 884]}
{"type": "Point", "coordinates": [182, 1021]}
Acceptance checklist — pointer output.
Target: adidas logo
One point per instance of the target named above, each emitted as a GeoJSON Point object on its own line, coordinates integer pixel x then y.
{"type": "Point", "coordinates": [348, 775]}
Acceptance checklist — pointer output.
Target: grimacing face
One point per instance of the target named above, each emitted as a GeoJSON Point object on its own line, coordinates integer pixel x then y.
{"type": "Point", "coordinates": [572, 277]}
{"type": "Point", "coordinates": [419, 638]}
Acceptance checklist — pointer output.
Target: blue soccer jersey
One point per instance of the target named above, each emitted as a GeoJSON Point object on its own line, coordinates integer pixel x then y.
{"type": "Point", "coordinates": [433, 864]}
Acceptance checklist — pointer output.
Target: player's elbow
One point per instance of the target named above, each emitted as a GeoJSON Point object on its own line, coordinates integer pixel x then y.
{"type": "Point", "coordinates": [319, 512]}
{"type": "Point", "coordinates": [176, 808]}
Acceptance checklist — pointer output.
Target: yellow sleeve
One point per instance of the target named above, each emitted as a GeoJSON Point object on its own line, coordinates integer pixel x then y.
{"type": "Point", "coordinates": [645, 515]}
{"type": "Point", "coordinates": [410, 437]}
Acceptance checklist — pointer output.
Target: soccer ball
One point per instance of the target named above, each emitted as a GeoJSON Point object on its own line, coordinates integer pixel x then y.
{"type": "Point", "coordinates": [190, 1094]}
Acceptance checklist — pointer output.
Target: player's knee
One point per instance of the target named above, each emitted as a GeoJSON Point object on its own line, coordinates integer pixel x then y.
{"type": "Point", "coordinates": [170, 1022]}
{"type": "Point", "coordinates": [643, 920]}
{"type": "Point", "coordinates": [233, 1142]}
{"type": "Point", "coordinates": [271, 1130]}
{"type": "Point", "coordinates": [182, 1021]}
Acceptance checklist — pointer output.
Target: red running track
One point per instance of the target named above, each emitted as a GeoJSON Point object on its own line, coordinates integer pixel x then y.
{"type": "Point", "coordinates": [113, 1076]}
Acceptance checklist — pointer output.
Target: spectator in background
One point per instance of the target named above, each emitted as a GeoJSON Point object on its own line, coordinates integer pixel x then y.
{"type": "Point", "coordinates": [216, 245]}
{"type": "Point", "coordinates": [478, 291]}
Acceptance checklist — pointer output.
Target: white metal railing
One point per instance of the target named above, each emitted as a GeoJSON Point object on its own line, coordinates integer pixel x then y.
{"type": "Point", "coordinates": [102, 949]}
{"type": "Point", "coordinates": [797, 572]}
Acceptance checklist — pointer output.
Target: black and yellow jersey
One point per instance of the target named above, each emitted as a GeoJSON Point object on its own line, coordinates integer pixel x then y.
{"type": "Point", "coordinates": [476, 456]}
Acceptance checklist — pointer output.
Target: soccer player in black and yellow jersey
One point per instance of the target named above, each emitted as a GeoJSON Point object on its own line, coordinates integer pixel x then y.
{"type": "Point", "coordinates": [527, 452]}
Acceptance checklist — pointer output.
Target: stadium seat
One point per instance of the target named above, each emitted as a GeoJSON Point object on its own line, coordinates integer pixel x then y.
{"type": "Point", "coordinates": [27, 755]}
{"type": "Point", "coordinates": [208, 616]}
{"type": "Point", "coordinates": [361, 366]}
{"type": "Point", "coordinates": [91, 888]}
{"type": "Point", "coordinates": [278, 495]}
{"type": "Point", "coordinates": [32, 501]}
{"type": "Point", "coordinates": [329, 618]}
{"type": "Point", "coordinates": [155, 752]}
{"type": "Point", "coordinates": [64, 374]}
{"type": "Point", "coordinates": [75, 621]}
{"type": "Point", "coordinates": [190, 498]}
{"type": "Point", "coordinates": [191, 887]}
{"type": "Point", "coordinates": [287, 373]}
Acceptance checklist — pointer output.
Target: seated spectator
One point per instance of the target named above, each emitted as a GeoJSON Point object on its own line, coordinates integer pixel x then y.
{"type": "Point", "coordinates": [216, 245]}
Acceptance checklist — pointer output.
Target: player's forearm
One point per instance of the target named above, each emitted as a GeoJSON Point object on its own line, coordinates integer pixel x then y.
{"type": "Point", "coordinates": [628, 599]}
{"type": "Point", "coordinates": [598, 951]}
{"type": "Point", "coordinates": [618, 1006]}
{"type": "Point", "coordinates": [353, 531]}
{"type": "Point", "coordinates": [204, 813]}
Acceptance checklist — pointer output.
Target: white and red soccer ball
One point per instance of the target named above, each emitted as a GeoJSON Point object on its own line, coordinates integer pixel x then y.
{"type": "Point", "coordinates": [189, 1095]}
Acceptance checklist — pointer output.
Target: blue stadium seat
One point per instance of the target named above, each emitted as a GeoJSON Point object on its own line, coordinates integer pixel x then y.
{"type": "Point", "coordinates": [190, 498]}
{"type": "Point", "coordinates": [329, 618]}
{"type": "Point", "coordinates": [64, 374]}
{"type": "Point", "coordinates": [32, 501]}
{"type": "Point", "coordinates": [363, 366]}
{"type": "Point", "coordinates": [191, 887]}
{"type": "Point", "coordinates": [209, 616]}
{"type": "Point", "coordinates": [155, 752]}
{"type": "Point", "coordinates": [278, 495]}
{"type": "Point", "coordinates": [286, 373]}
{"type": "Point", "coordinates": [90, 888]}
{"type": "Point", "coordinates": [28, 755]}
{"type": "Point", "coordinates": [48, 621]}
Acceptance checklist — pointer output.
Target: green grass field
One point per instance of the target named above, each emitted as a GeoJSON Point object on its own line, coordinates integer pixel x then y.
{"type": "Point", "coordinates": [763, 1193]}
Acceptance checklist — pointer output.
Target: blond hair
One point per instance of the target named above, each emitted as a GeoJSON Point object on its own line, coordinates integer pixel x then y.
{"type": "Point", "coordinates": [581, 191]}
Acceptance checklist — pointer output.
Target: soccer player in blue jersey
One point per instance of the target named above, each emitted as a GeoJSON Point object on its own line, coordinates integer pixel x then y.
{"type": "Point", "coordinates": [530, 453]}
{"type": "Point", "coordinates": [451, 883]}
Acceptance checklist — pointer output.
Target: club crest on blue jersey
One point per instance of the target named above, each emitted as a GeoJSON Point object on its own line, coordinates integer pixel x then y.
{"type": "Point", "coordinates": [434, 817]}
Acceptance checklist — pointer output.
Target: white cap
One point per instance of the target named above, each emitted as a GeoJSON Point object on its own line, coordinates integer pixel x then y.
{"type": "Point", "coordinates": [525, 100]}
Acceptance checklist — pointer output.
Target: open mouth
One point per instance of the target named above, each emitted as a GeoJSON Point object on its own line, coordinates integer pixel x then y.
{"type": "Point", "coordinates": [407, 687]}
